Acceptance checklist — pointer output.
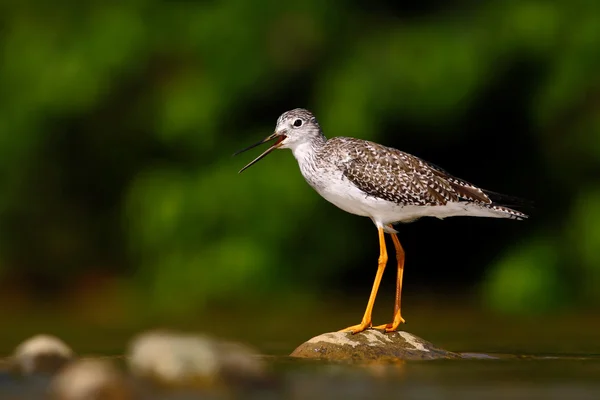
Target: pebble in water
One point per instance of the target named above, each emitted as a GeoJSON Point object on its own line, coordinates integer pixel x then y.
{"type": "Point", "coordinates": [90, 380]}
{"type": "Point", "coordinates": [196, 361]}
{"type": "Point", "coordinates": [42, 354]}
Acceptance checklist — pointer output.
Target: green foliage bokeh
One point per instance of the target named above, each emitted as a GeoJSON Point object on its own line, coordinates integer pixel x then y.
{"type": "Point", "coordinates": [145, 101]}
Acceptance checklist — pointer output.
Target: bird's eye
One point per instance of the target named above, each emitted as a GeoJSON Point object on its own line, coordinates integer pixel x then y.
{"type": "Point", "coordinates": [298, 123]}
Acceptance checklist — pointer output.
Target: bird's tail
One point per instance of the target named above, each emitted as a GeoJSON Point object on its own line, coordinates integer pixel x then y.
{"type": "Point", "coordinates": [507, 204]}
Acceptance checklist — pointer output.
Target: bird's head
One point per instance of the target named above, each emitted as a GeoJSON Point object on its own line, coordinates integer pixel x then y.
{"type": "Point", "coordinates": [293, 128]}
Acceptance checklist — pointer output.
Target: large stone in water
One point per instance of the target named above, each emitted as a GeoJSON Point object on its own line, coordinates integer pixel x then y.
{"type": "Point", "coordinates": [194, 361]}
{"type": "Point", "coordinates": [371, 345]}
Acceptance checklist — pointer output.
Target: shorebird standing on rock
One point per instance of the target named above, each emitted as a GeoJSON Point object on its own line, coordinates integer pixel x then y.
{"type": "Point", "coordinates": [379, 182]}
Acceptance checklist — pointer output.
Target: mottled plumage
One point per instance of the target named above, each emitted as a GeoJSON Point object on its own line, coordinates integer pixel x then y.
{"type": "Point", "coordinates": [379, 182]}
{"type": "Point", "coordinates": [364, 177]}
{"type": "Point", "coordinates": [399, 177]}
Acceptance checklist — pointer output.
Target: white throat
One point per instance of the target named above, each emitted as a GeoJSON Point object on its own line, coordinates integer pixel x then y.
{"type": "Point", "coordinates": [304, 151]}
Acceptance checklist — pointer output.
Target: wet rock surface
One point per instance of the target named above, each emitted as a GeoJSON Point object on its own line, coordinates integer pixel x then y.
{"type": "Point", "coordinates": [371, 345]}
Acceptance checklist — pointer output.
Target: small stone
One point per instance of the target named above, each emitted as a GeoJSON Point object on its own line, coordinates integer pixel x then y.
{"type": "Point", "coordinates": [240, 364]}
{"type": "Point", "coordinates": [90, 380]}
{"type": "Point", "coordinates": [197, 361]}
{"type": "Point", "coordinates": [370, 345]}
{"type": "Point", "coordinates": [41, 354]}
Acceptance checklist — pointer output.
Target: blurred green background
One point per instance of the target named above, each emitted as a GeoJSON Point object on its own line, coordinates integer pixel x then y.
{"type": "Point", "coordinates": [120, 199]}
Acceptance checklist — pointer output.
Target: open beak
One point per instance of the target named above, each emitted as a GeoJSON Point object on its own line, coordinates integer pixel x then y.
{"type": "Point", "coordinates": [275, 145]}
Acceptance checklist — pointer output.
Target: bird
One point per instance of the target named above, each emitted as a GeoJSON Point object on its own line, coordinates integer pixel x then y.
{"type": "Point", "coordinates": [385, 184]}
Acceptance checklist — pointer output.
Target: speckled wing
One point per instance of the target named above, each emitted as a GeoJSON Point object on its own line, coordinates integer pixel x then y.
{"type": "Point", "coordinates": [399, 177]}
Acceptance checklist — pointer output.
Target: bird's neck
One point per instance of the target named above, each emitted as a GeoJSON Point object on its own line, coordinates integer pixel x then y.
{"type": "Point", "coordinates": [305, 152]}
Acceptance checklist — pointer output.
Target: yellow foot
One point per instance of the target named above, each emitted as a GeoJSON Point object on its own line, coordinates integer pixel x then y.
{"type": "Point", "coordinates": [392, 326]}
{"type": "Point", "coordinates": [357, 328]}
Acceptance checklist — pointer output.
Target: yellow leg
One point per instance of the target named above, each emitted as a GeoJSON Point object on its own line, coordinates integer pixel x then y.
{"type": "Point", "coordinates": [392, 326]}
{"type": "Point", "coordinates": [383, 257]}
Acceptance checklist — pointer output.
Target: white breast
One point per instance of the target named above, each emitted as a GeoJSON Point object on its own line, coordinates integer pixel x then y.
{"type": "Point", "coordinates": [332, 185]}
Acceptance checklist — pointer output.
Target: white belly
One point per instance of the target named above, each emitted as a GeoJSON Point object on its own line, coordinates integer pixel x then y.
{"type": "Point", "coordinates": [339, 191]}
{"type": "Point", "coordinates": [330, 183]}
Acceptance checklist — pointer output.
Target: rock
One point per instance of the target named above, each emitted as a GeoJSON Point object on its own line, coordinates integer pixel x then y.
{"type": "Point", "coordinates": [196, 361]}
{"type": "Point", "coordinates": [240, 365]}
{"type": "Point", "coordinates": [370, 345]}
{"type": "Point", "coordinates": [41, 354]}
{"type": "Point", "coordinates": [90, 380]}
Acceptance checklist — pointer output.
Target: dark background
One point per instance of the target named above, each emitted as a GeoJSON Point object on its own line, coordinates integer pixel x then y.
{"type": "Point", "coordinates": [120, 198]}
